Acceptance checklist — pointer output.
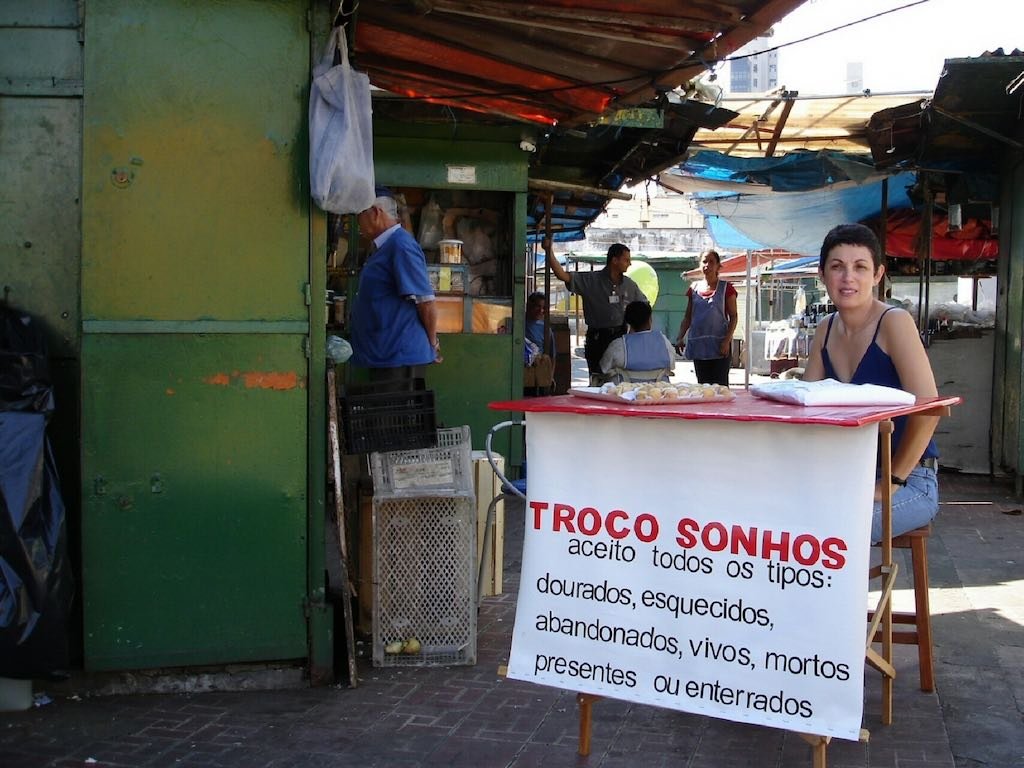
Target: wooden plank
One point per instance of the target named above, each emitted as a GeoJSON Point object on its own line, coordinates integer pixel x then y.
{"type": "Point", "coordinates": [334, 447]}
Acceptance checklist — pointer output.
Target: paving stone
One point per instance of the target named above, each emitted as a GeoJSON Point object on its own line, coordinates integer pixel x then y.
{"type": "Point", "coordinates": [470, 717]}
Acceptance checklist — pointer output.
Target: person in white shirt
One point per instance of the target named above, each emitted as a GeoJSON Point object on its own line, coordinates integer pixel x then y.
{"type": "Point", "coordinates": [642, 354]}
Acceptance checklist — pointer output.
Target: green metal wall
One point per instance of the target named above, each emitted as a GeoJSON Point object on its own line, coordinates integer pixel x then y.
{"type": "Point", "coordinates": [670, 308]}
{"type": "Point", "coordinates": [40, 236]}
{"type": "Point", "coordinates": [195, 317]}
{"type": "Point", "coordinates": [1008, 380]}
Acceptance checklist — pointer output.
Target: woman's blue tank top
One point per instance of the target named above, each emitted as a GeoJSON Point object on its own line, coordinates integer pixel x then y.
{"type": "Point", "coordinates": [876, 367]}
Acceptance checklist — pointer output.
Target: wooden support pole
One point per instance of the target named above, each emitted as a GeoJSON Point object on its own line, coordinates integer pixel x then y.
{"type": "Point", "coordinates": [585, 701]}
{"type": "Point", "coordinates": [564, 186]}
{"type": "Point", "coordinates": [819, 748]}
{"type": "Point", "coordinates": [339, 517]}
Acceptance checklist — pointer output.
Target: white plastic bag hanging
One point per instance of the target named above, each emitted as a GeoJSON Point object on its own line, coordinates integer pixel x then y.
{"type": "Point", "coordinates": [340, 133]}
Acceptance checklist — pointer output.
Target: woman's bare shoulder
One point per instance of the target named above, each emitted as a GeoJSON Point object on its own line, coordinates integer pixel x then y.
{"type": "Point", "coordinates": [897, 319]}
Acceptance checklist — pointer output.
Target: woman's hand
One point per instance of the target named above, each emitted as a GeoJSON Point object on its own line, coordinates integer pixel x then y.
{"type": "Point", "coordinates": [725, 348]}
{"type": "Point", "coordinates": [436, 344]}
{"type": "Point", "coordinates": [680, 345]}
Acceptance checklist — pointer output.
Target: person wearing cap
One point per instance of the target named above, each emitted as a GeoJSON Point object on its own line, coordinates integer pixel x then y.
{"type": "Point", "coordinates": [605, 294]}
{"type": "Point", "coordinates": [394, 318]}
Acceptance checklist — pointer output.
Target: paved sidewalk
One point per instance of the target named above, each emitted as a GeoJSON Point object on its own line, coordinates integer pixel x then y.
{"type": "Point", "coordinates": [469, 717]}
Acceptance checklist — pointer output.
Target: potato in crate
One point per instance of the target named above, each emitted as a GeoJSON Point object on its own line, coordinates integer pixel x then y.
{"type": "Point", "coordinates": [424, 576]}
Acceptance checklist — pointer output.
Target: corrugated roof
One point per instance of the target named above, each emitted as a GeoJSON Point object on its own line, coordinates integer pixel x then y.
{"type": "Point", "coordinates": [972, 119]}
{"type": "Point", "coordinates": [552, 62]}
{"type": "Point", "coordinates": [590, 78]}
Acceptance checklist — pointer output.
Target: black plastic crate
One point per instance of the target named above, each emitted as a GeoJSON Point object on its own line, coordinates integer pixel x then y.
{"type": "Point", "coordinates": [388, 421]}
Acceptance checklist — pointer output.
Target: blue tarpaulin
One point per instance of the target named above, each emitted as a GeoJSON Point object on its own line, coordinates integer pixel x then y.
{"type": "Point", "coordinates": [791, 172]}
{"type": "Point", "coordinates": [799, 221]}
{"type": "Point", "coordinates": [811, 192]}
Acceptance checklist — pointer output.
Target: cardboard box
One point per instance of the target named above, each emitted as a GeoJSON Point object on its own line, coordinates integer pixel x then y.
{"type": "Point", "coordinates": [488, 486]}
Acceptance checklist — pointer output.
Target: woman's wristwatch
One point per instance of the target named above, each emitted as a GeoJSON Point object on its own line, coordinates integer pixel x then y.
{"type": "Point", "coordinates": [897, 480]}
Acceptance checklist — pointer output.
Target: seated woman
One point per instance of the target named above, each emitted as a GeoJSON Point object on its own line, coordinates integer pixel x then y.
{"type": "Point", "coordinates": [538, 356]}
{"type": "Point", "coordinates": [869, 342]}
{"type": "Point", "coordinates": [642, 354]}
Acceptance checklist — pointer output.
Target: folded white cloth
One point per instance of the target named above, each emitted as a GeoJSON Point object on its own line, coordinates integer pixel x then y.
{"type": "Point", "coordinates": [831, 392]}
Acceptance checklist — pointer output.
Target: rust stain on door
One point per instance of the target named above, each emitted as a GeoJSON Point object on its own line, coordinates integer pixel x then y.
{"type": "Point", "coordinates": [278, 380]}
{"type": "Point", "coordinates": [271, 380]}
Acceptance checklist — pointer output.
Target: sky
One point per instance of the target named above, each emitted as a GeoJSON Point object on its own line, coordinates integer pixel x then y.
{"type": "Point", "coordinates": [900, 51]}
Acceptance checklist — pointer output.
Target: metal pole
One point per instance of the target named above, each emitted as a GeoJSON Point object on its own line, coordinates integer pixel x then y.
{"type": "Point", "coordinates": [746, 329]}
{"type": "Point", "coordinates": [924, 234]}
{"type": "Point", "coordinates": [924, 260]}
{"type": "Point", "coordinates": [883, 226]}
{"type": "Point", "coordinates": [549, 200]}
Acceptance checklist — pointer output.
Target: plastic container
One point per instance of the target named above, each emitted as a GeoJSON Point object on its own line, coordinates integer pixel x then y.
{"type": "Point", "coordinates": [15, 695]}
{"type": "Point", "coordinates": [424, 576]}
{"type": "Point", "coordinates": [444, 470]}
{"type": "Point", "coordinates": [451, 251]}
{"type": "Point", "coordinates": [388, 421]}
{"type": "Point", "coordinates": [447, 278]}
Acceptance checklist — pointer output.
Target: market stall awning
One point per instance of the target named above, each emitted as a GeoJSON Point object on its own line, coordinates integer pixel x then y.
{"type": "Point", "coordinates": [799, 221]}
{"type": "Point", "coordinates": [592, 83]}
{"type": "Point", "coordinates": [578, 168]}
{"type": "Point", "coordinates": [777, 123]}
{"type": "Point", "coordinates": [787, 202]}
{"type": "Point", "coordinates": [969, 123]}
{"type": "Point", "coordinates": [974, 241]}
{"type": "Point", "coordinates": [558, 62]}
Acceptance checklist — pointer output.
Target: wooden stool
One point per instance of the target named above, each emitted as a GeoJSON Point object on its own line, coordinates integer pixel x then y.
{"type": "Point", "coordinates": [921, 632]}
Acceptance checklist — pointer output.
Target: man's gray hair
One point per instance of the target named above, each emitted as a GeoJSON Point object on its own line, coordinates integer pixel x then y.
{"type": "Point", "coordinates": [387, 204]}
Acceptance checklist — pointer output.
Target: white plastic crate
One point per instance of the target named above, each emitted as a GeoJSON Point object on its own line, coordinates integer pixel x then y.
{"type": "Point", "coordinates": [442, 471]}
{"type": "Point", "coordinates": [424, 574]}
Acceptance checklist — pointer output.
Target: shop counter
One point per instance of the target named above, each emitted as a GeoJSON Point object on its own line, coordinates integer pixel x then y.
{"type": "Point", "coordinates": [706, 557]}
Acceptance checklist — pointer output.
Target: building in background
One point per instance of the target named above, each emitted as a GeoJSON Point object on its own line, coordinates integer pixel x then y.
{"type": "Point", "coordinates": [754, 68]}
{"type": "Point", "coordinates": [667, 223]}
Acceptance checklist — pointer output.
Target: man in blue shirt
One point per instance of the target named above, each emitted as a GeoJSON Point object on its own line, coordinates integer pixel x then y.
{"type": "Point", "coordinates": [394, 318]}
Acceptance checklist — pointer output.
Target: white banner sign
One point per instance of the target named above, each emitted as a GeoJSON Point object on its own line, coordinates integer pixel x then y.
{"type": "Point", "coordinates": [715, 567]}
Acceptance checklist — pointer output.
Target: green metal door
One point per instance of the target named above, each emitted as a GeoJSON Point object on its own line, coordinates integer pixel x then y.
{"type": "Point", "coordinates": [195, 267]}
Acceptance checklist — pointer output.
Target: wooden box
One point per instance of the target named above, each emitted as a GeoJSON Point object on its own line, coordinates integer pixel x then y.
{"type": "Point", "coordinates": [488, 486]}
